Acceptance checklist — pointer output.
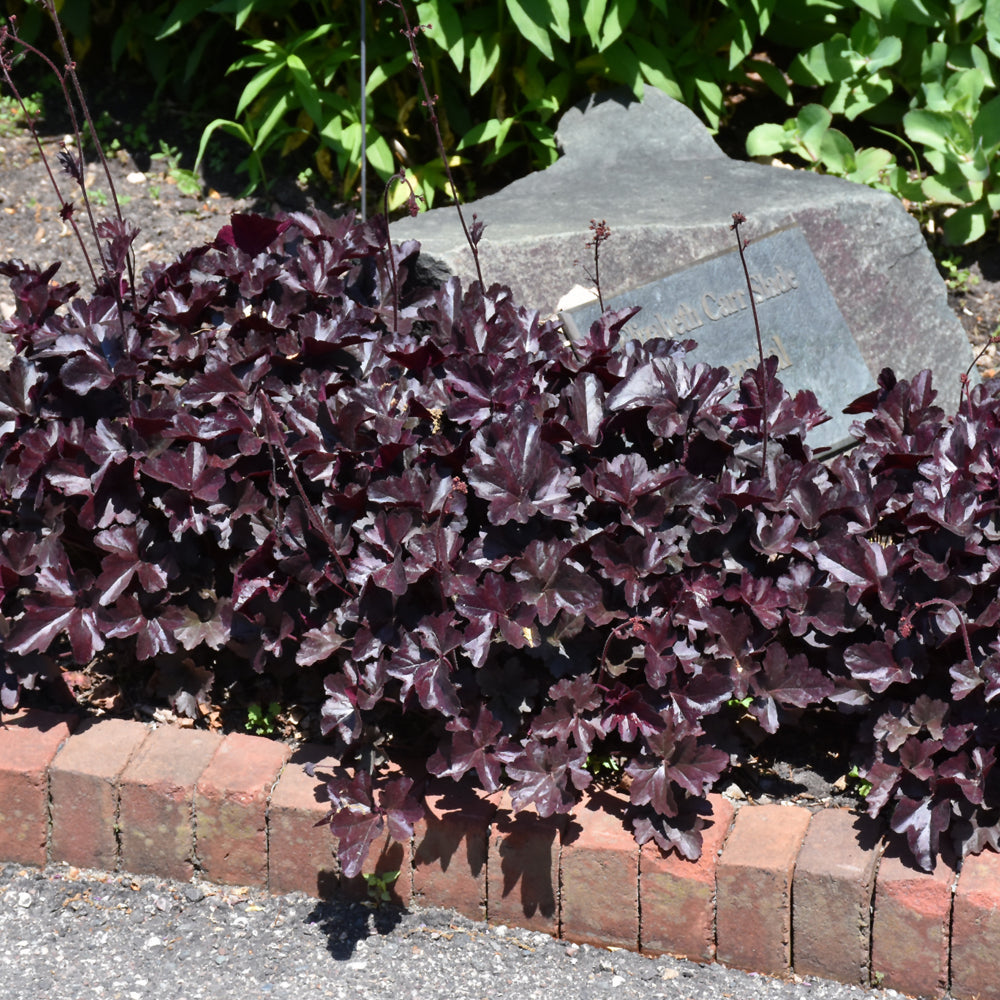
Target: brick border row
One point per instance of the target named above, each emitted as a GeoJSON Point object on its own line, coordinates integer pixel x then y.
{"type": "Point", "coordinates": [777, 890]}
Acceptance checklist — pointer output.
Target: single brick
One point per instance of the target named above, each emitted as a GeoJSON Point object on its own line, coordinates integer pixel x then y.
{"type": "Point", "coordinates": [29, 741]}
{"type": "Point", "coordinates": [677, 896]}
{"type": "Point", "coordinates": [754, 882]}
{"type": "Point", "coordinates": [975, 929]}
{"type": "Point", "coordinates": [599, 875]}
{"type": "Point", "coordinates": [230, 809]}
{"type": "Point", "coordinates": [522, 872]}
{"type": "Point", "coordinates": [832, 895]}
{"type": "Point", "coordinates": [451, 845]}
{"type": "Point", "coordinates": [84, 786]}
{"type": "Point", "coordinates": [910, 929]}
{"type": "Point", "coordinates": [302, 854]}
{"type": "Point", "coordinates": [156, 815]}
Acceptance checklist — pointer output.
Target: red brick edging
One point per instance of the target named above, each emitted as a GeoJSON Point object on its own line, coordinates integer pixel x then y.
{"type": "Point", "coordinates": [777, 889]}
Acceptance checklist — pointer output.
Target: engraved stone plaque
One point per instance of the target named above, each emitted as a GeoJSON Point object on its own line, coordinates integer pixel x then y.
{"type": "Point", "coordinates": [800, 322]}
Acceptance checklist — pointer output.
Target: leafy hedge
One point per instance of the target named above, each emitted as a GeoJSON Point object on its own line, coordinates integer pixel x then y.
{"type": "Point", "coordinates": [924, 73]}
{"type": "Point", "coordinates": [283, 454]}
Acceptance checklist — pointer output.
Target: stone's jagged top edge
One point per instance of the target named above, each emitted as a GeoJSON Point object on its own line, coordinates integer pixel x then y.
{"type": "Point", "coordinates": [612, 120]}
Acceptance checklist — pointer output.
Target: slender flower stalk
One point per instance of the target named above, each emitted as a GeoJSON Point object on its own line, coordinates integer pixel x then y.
{"type": "Point", "coordinates": [473, 235]}
{"type": "Point", "coordinates": [738, 219]}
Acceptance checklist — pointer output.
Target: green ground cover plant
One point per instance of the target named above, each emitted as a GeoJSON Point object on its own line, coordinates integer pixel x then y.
{"type": "Point", "coordinates": [519, 560]}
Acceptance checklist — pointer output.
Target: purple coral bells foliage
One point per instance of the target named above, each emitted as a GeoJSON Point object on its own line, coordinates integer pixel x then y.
{"type": "Point", "coordinates": [509, 554]}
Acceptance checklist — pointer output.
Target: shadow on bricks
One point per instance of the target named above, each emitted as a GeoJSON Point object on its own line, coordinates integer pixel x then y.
{"type": "Point", "coordinates": [447, 830]}
{"type": "Point", "coordinates": [524, 867]}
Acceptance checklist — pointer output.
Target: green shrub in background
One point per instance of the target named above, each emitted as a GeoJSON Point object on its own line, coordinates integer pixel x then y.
{"type": "Point", "coordinates": [924, 72]}
{"type": "Point", "coordinates": [503, 72]}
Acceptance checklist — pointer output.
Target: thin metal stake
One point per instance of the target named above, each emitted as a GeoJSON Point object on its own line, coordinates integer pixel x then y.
{"type": "Point", "coordinates": [364, 117]}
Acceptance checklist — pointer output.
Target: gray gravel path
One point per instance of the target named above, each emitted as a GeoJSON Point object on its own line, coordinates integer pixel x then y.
{"type": "Point", "coordinates": [69, 935]}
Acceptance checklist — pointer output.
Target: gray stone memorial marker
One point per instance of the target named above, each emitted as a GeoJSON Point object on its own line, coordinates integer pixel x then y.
{"type": "Point", "coordinates": [667, 191]}
{"type": "Point", "coordinates": [800, 322]}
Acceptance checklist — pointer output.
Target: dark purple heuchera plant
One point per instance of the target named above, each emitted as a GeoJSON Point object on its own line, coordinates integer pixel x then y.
{"type": "Point", "coordinates": [511, 556]}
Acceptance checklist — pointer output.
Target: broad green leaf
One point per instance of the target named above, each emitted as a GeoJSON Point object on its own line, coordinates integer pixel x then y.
{"type": "Point", "coordinates": [932, 128]}
{"type": "Point", "coordinates": [741, 43]}
{"type": "Point", "coordinates": [333, 130]}
{"type": "Point", "coordinates": [827, 62]}
{"type": "Point", "coordinates": [813, 122]}
{"type": "Point", "coordinates": [982, 64]}
{"type": "Point", "coordinates": [963, 89]}
{"type": "Point", "coordinates": [962, 10]}
{"type": "Point", "coordinates": [385, 71]}
{"type": "Point", "coordinates": [380, 155]}
{"type": "Point", "coordinates": [950, 189]}
{"type": "Point", "coordinates": [836, 152]}
{"type": "Point", "coordinates": [871, 6]}
{"type": "Point", "coordinates": [482, 132]}
{"type": "Point", "coordinates": [710, 98]}
{"type": "Point", "coordinates": [256, 85]}
{"type": "Point", "coordinates": [920, 12]}
{"type": "Point", "coordinates": [654, 64]}
{"type": "Point", "coordinates": [975, 168]}
{"type": "Point", "coordinates": [532, 21]}
{"type": "Point", "coordinates": [501, 137]}
{"type": "Point", "coordinates": [484, 54]}
{"type": "Point", "coordinates": [244, 8]}
{"type": "Point", "coordinates": [771, 138]}
{"type": "Point", "coordinates": [624, 67]}
{"type": "Point", "coordinates": [933, 62]}
{"type": "Point", "coordinates": [991, 20]}
{"type": "Point", "coordinates": [773, 77]}
{"type": "Point", "coordinates": [870, 165]}
{"type": "Point", "coordinates": [967, 224]}
{"type": "Point", "coordinates": [593, 16]}
{"type": "Point", "coordinates": [350, 139]}
{"type": "Point", "coordinates": [616, 22]}
{"type": "Point", "coordinates": [986, 126]}
{"type": "Point", "coordinates": [277, 112]}
{"type": "Point", "coordinates": [561, 18]}
{"type": "Point", "coordinates": [888, 52]}
{"type": "Point", "coordinates": [310, 36]}
{"type": "Point", "coordinates": [185, 11]}
{"type": "Point", "coordinates": [305, 88]}
{"type": "Point", "coordinates": [862, 98]}
{"type": "Point", "coordinates": [444, 27]}
{"type": "Point", "coordinates": [543, 143]}
{"type": "Point", "coordinates": [233, 128]}
{"type": "Point", "coordinates": [865, 36]}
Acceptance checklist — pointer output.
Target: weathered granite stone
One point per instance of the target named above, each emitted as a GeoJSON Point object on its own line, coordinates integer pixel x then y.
{"type": "Point", "coordinates": [667, 191]}
{"type": "Point", "coordinates": [799, 321]}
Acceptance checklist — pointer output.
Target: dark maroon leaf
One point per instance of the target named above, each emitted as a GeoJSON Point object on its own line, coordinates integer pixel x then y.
{"type": "Point", "coordinates": [251, 233]}
{"type": "Point", "coordinates": [481, 749]}
{"type": "Point", "coordinates": [542, 776]}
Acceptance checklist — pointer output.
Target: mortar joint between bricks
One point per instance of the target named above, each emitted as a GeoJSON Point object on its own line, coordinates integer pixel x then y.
{"type": "Point", "coordinates": [871, 912]}
{"type": "Point", "coordinates": [267, 822]}
{"type": "Point", "coordinates": [638, 901]}
{"type": "Point", "coordinates": [196, 862]}
{"type": "Point", "coordinates": [959, 863]}
{"type": "Point", "coordinates": [49, 802]}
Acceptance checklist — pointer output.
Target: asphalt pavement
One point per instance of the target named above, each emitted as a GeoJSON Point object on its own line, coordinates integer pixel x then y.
{"type": "Point", "coordinates": [83, 935]}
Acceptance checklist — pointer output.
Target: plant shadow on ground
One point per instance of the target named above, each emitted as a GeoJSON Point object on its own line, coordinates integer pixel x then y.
{"type": "Point", "coordinates": [345, 924]}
